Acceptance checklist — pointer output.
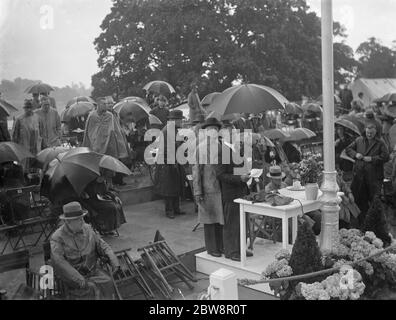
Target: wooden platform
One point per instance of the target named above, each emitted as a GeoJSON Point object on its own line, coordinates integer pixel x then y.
{"type": "Point", "coordinates": [264, 254]}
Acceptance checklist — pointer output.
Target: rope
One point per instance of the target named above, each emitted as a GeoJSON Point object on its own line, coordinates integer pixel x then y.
{"type": "Point", "coordinates": [248, 282]}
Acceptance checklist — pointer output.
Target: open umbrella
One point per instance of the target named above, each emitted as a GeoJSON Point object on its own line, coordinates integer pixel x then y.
{"type": "Point", "coordinates": [47, 155]}
{"type": "Point", "coordinates": [337, 99]}
{"type": "Point", "coordinates": [208, 99]}
{"type": "Point", "coordinates": [159, 87]}
{"type": "Point", "coordinates": [78, 109]}
{"type": "Point", "coordinates": [258, 137]}
{"type": "Point", "coordinates": [6, 109]}
{"type": "Point", "coordinates": [129, 107]}
{"type": "Point", "coordinates": [293, 108]}
{"type": "Point", "coordinates": [136, 99]}
{"type": "Point", "coordinates": [313, 107]}
{"type": "Point", "coordinates": [248, 98]}
{"type": "Point", "coordinates": [275, 134]}
{"type": "Point", "coordinates": [80, 99]}
{"type": "Point", "coordinates": [10, 151]}
{"type": "Point", "coordinates": [348, 124]}
{"type": "Point", "coordinates": [153, 120]}
{"type": "Point", "coordinates": [39, 88]}
{"type": "Point", "coordinates": [113, 164]}
{"type": "Point", "coordinates": [300, 134]}
{"type": "Point", "coordinates": [389, 97]}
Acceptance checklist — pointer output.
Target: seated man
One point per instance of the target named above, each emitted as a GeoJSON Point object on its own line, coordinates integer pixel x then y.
{"type": "Point", "coordinates": [75, 253]}
{"type": "Point", "coordinates": [276, 175]}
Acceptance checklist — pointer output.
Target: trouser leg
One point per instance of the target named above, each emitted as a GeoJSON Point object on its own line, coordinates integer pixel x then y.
{"type": "Point", "coordinates": [210, 238]}
{"type": "Point", "coordinates": [231, 232]}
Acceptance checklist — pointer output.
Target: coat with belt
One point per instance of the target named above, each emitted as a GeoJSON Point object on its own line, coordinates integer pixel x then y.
{"type": "Point", "coordinates": [206, 185]}
{"type": "Point", "coordinates": [168, 177]}
{"type": "Point", "coordinates": [377, 150]}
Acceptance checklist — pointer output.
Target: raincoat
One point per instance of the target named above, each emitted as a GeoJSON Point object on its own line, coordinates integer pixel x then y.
{"type": "Point", "coordinates": [103, 134]}
{"type": "Point", "coordinates": [50, 122]}
{"type": "Point", "coordinates": [27, 132]}
{"type": "Point", "coordinates": [75, 259]}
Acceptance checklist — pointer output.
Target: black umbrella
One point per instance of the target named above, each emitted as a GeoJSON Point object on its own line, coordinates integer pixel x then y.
{"type": "Point", "coordinates": [39, 88]}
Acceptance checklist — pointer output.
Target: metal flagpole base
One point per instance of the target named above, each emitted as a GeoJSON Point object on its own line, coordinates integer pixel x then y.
{"type": "Point", "coordinates": [330, 212]}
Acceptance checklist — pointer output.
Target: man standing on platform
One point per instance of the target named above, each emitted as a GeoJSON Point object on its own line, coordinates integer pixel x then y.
{"type": "Point", "coordinates": [169, 175]}
{"type": "Point", "coordinates": [206, 188]}
{"type": "Point", "coordinates": [50, 122]}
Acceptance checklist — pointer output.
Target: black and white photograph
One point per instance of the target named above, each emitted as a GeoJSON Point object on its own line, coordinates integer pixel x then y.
{"type": "Point", "coordinates": [197, 155]}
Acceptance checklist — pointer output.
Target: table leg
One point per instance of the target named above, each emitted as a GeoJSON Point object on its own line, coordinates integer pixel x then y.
{"type": "Point", "coordinates": [242, 222]}
{"type": "Point", "coordinates": [295, 224]}
{"type": "Point", "coordinates": [285, 233]}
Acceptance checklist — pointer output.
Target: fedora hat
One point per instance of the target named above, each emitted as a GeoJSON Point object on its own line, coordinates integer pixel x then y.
{"type": "Point", "coordinates": [72, 210]}
{"type": "Point", "coordinates": [275, 172]}
{"type": "Point", "coordinates": [175, 115]}
{"type": "Point", "coordinates": [199, 119]}
{"type": "Point", "coordinates": [212, 122]}
{"type": "Point", "coordinates": [390, 110]}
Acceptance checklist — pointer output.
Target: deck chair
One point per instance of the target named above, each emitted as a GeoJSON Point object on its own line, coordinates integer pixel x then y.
{"type": "Point", "coordinates": [15, 261]}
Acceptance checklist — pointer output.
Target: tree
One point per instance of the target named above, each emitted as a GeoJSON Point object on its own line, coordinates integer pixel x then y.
{"type": "Point", "coordinates": [275, 43]}
{"type": "Point", "coordinates": [376, 60]}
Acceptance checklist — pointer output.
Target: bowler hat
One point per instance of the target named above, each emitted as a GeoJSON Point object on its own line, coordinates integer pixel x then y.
{"type": "Point", "coordinates": [212, 122]}
{"type": "Point", "coordinates": [175, 114]}
{"type": "Point", "coordinates": [199, 119]}
{"type": "Point", "coordinates": [275, 172]}
{"type": "Point", "coordinates": [72, 210]}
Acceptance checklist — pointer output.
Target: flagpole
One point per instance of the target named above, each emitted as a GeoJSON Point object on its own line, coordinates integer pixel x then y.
{"type": "Point", "coordinates": [330, 208]}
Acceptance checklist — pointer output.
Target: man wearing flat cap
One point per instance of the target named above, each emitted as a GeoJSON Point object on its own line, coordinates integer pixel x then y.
{"type": "Point", "coordinates": [75, 253]}
{"type": "Point", "coordinates": [370, 154]}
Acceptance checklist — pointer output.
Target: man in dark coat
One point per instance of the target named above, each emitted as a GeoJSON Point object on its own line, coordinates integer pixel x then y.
{"type": "Point", "coordinates": [169, 177]}
{"type": "Point", "coordinates": [4, 133]}
{"type": "Point", "coordinates": [161, 111]}
{"type": "Point", "coordinates": [232, 187]}
{"type": "Point", "coordinates": [370, 153]}
{"type": "Point", "coordinates": [346, 97]}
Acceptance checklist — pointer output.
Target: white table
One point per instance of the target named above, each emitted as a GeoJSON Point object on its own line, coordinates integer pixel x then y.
{"type": "Point", "coordinates": [292, 210]}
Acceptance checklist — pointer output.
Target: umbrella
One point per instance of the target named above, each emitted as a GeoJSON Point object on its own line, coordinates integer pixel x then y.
{"type": "Point", "coordinates": [39, 88]}
{"type": "Point", "coordinates": [10, 151]}
{"type": "Point", "coordinates": [159, 87]}
{"type": "Point", "coordinates": [313, 107]}
{"type": "Point", "coordinates": [78, 109]}
{"type": "Point", "coordinates": [337, 99]}
{"type": "Point", "coordinates": [257, 137]}
{"type": "Point", "coordinates": [389, 97]}
{"type": "Point", "coordinates": [293, 108]}
{"type": "Point", "coordinates": [153, 120]}
{"type": "Point", "coordinates": [130, 107]}
{"type": "Point", "coordinates": [208, 100]}
{"type": "Point", "coordinates": [300, 134]}
{"type": "Point", "coordinates": [275, 134]}
{"type": "Point", "coordinates": [136, 99]}
{"type": "Point", "coordinates": [113, 164]}
{"type": "Point", "coordinates": [185, 109]}
{"type": "Point", "coordinates": [80, 99]}
{"type": "Point", "coordinates": [248, 98]}
{"type": "Point", "coordinates": [348, 124]}
{"type": "Point", "coordinates": [6, 109]}
{"type": "Point", "coordinates": [49, 154]}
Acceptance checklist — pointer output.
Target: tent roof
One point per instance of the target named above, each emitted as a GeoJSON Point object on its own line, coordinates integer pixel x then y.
{"type": "Point", "coordinates": [373, 88]}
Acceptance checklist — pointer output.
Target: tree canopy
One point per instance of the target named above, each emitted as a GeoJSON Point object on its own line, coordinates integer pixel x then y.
{"type": "Point", "coordinates": [271, 42]}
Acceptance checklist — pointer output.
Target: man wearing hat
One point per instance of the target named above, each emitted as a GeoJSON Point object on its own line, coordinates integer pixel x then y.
{"type": "Point", "coordinates": [28, 130]}
{"type": "Point", "coordinates": [370, 153]}
{"type": "Point", "coordinates": [276, 175]}
{"type": "Point", "coordinates": [207, 192]}
{"type": "Point", "coordinates": [50, 122]}
{"type": "Point", "coordinates": [75, 253]}
{"type": "Point", "coordinates": [161, 111]}
{"type": "Point", "coordinates": [169, 177]}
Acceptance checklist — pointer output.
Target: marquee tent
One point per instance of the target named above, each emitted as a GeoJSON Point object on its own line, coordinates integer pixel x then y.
{"type": "Point", "coordinates": [372, 88]}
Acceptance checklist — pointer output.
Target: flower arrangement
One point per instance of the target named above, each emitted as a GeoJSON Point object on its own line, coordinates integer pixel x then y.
{"type": "Point", "coordinates": [310, 169]}
{"type": "Point", "coordinates": [337, 286]}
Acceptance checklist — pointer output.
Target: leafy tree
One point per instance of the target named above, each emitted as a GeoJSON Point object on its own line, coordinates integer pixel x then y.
{"type": "Point", "coordinates": [376, 60]}
{"type": "Point", "coordinates": [276, 43]}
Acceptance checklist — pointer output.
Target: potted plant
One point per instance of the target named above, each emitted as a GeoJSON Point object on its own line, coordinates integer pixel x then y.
{"type": "Point", "coordinates": [310, 171]}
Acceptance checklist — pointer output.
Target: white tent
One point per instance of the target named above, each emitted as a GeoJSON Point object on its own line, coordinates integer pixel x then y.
{"type": "Point", "coordinates": [372, 88]}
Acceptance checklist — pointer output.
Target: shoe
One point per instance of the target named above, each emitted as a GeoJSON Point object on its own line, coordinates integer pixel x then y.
{"type": "Point", "coordinates": [170, 215]}
{"type": "Point", "coordinates": [180, 213]}
{"type": "Point", "coordinates": [249, 253]}
{"type": "Point", "coordinates": [236, 257]}
{"type": "Point", "coordinates": [215, 254]}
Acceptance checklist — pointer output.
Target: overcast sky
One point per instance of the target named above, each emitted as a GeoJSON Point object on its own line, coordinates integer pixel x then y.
{"type": "Point", "coordinates": [65, 53]}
